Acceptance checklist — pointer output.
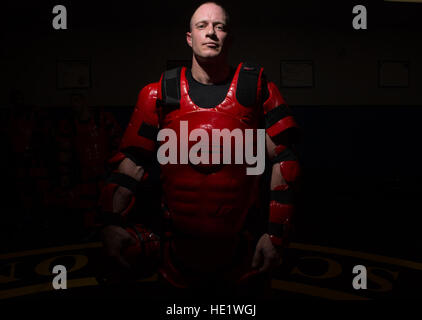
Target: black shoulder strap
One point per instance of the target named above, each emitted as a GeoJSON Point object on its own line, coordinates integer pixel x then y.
{"type": "Point", "coordinates": [247, 84]}
{"type": "Point", "coordinates": [170, 88]}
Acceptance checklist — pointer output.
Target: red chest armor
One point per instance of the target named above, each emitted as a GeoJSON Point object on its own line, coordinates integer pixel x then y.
{"type": "Point", "coordinates": [209, 200]}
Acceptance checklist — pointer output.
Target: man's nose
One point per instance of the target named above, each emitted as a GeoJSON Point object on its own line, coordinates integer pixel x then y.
{"type": "Point", "coordinates": [210, 30]}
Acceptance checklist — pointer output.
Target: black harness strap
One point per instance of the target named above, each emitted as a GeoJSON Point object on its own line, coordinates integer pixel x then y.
{"type": "Point", "coordinates": [170, 90]}
{"type": "Point", "coordinates": [247, 84]}
{"type": "Point", "coordinates": [246, 91]}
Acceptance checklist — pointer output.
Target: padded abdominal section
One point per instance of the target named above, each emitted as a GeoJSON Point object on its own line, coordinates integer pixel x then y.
{"type": "Point", "coordinates": [207, 190]}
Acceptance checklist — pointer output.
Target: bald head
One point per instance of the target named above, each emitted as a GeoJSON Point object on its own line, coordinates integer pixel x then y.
{"type": "Point", "coordinates": [208, 36]}
{"type": "Point", "coordinates": [206, 7]}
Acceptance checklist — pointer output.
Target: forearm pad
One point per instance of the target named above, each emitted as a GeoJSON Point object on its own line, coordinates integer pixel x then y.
{"type": "Point", "coordinates": [280, 219]}
{"type": "Point", "coordinates": [282, 204]}
{"type": "Point", "coordinates": [108, 214]}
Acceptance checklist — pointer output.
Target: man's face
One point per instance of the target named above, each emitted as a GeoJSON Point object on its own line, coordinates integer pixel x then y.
{"type": "Point", "coordinates": [209, 35]}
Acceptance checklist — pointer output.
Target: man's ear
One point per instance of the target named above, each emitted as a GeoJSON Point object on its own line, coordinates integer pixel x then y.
{"type": "Point", "coordinates": [189, 38]}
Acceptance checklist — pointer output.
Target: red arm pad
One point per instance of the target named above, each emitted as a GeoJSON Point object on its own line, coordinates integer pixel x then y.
{"type": "Point", "coordinates": [117, 158]}
{"type": "Point", "coordinates": [106, 197]}
{"type": "Point", "coordinates": [143, 126]}
{"type": "Point", "coordinates": [281, 204]}
{"type": "Point", "coordinates": [281, 211]}
{"type": "Point", "coordinates": [278, 120]}
{"type": "Point", "coordinates": [107, 215]}
{"type": "Point", "coordinates": [278, 116]}
{"type": "Point", "coordinates": [290, 170]}
{"type": "Point", "coordinates": [137, 144]}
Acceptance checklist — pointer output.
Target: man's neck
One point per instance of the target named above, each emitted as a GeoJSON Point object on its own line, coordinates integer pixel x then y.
{"type": "Point", "coordinates": [210, 72]}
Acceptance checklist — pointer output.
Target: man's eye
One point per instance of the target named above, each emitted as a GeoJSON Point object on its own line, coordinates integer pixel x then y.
{"type": "Point", "coordinates": [221, 28]}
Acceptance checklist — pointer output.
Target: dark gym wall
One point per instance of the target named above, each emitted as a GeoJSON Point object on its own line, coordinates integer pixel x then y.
{"type": "Point", "coordinates": [128, 46]}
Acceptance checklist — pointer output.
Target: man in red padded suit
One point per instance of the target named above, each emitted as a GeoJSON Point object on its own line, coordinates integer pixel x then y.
{"type": "Point", "coordinates": [206, 205]}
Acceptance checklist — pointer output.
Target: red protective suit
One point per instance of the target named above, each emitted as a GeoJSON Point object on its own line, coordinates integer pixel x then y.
{"type": "Point", "coordinates": [206, 205]}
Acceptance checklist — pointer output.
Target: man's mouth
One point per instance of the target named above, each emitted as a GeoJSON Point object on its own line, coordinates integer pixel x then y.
{"type": "Point", "coordinates": [211, 45]}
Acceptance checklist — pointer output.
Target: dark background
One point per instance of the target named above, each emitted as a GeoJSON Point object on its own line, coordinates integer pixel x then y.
{"type": "Point", "coordinates": [360, 150]}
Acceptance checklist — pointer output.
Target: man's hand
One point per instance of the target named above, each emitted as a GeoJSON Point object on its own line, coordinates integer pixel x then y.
{"type": "Point", "coordinates": [266, 256]}
{"type": "Point", "coordinates": [115, 239]}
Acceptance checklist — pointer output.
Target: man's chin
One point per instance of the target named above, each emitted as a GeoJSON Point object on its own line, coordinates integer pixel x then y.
{"type": "Point", "coordinates": [208, 57]}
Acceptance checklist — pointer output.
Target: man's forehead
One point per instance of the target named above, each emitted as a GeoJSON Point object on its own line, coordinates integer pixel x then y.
{"type": "Point", "coordinates": [209, 12]}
